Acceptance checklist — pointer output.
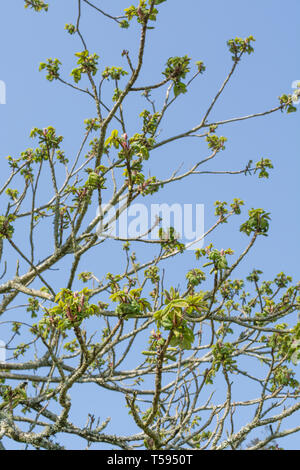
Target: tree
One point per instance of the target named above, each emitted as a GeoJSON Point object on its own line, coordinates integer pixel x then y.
{"type": "Point", "coordinates": [157, 349]}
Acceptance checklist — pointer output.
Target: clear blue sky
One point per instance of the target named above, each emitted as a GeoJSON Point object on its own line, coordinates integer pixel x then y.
{"type": "Point", "coordinates": [199, 29]}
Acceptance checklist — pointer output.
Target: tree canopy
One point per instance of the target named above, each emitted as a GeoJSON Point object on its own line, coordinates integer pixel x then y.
{"type": "Point", "coordinates": [172, 355]}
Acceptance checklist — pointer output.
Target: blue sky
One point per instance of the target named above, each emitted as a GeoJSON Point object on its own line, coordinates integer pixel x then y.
{"type": "Point", "coordinates": [199, 29]}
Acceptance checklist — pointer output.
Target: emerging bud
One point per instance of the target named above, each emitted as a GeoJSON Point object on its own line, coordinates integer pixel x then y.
{"type": "Point", "coordinates": [140, 13]}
